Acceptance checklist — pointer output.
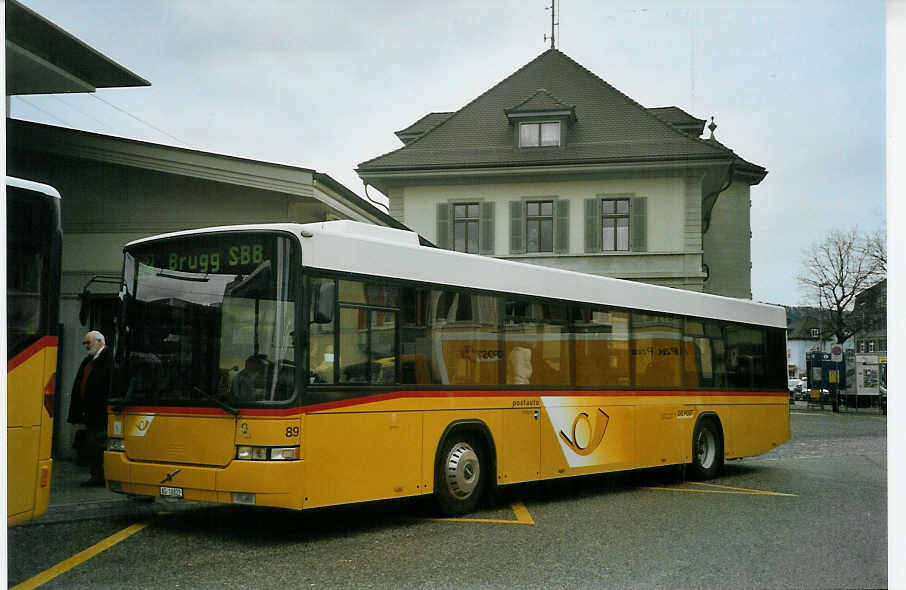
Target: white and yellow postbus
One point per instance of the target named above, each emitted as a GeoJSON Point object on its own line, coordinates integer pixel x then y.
{"type": "Point", "coordinates": [310, 365]}
{"type": "Point", "coordinates": [34, 238]}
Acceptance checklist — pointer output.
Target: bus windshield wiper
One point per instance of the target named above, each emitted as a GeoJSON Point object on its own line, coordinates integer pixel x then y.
{"type": "Point", "coordinates": [219, 403]}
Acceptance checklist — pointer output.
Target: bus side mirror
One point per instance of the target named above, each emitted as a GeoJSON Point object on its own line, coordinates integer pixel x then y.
{"type": "Point", "coordinates": [322, 304]}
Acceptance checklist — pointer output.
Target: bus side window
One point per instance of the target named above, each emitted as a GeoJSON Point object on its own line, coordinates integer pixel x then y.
{"type": "Point", "coordinates": [464, 338]}
{"type": "Point", "coordinates": [746, 355]}
{"type": "Point", "coordinates": [537, 343]}
{"type": "Point", "coordinates": [367, 329]}
{"type": "Point", "coordinates": [601, 347]}
{"type": "Point", "coordinates": [656, 350]}
{"type": "Point", "coordinates": [415, 338]}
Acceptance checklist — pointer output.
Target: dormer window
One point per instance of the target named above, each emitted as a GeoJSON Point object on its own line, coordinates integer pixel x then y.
{"type": "Point", "coordinates": [541, 134]}
{"type": "Point", "coordinates": [540, 121]}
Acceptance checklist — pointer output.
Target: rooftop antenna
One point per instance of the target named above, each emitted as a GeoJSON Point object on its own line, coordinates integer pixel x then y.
{"type": "Point", "coordinates": [554, 22]}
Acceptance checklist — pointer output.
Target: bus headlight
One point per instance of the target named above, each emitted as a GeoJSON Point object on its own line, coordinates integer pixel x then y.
{"type": "Point", "coordinates": [116, 444]}
{"type": "Point", "coordinates": [284, 453]}
{"type": "Point", "coordinates": [248, 453]}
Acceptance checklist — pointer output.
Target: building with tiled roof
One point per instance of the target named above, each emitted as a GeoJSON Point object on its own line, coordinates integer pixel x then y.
{"type": "Point", "coordinates": [555, 166]}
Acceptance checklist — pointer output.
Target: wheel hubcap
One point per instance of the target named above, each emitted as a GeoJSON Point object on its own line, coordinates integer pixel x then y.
{"type": "Point", "coordinates": [706, 448]}
{"type": "Point", "coordinates": [462, 470]}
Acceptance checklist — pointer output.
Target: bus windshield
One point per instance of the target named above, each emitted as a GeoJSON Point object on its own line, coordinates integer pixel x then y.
{"type": "Point", "coordinates": [209, 319]}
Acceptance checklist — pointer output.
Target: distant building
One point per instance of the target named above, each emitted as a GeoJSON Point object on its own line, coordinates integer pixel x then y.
{"type": "Point", "coordinates": [808, 329]}
{"type": "Point", "coordinates": [870, 308]}
{"type": "Point", "coordinates": [555, 166]}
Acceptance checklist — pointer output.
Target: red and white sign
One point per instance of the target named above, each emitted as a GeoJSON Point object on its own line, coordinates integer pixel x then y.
{"type": "Point", "coordinates": [837, 353]}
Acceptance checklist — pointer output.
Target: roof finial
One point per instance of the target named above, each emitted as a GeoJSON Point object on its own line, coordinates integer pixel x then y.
{"type": "Point", "coordinates": [712, 126]}
{"type": "Point", "coordinates": [553, 9]}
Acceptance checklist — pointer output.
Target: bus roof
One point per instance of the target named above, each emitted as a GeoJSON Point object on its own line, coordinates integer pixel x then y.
{"type": "Point", "coordinates": [32, 186]}
{"type": "Point", "coordinates": [359, 248]}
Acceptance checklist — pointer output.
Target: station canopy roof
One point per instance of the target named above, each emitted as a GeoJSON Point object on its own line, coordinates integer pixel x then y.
{"type": "Point", "coordinates": [42, 58]}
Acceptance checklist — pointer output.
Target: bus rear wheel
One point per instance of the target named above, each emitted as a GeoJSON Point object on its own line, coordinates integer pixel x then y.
{"type": "Point", "coordinates": [707, 449]}
{"type": "Point", "coordinates": [459, 475]}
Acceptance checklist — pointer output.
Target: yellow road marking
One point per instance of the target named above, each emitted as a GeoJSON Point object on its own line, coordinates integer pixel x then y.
{"type": "Point", "coordinates": [522, 513]}
{"type": "Point", "coordinates": [721, 490]}
{"type": "Point", "coordinates": [519, 509]}
{"type": "Point", "coordinates": [747, 490]}
{"type": "Point", "coordinates": [81, 557]}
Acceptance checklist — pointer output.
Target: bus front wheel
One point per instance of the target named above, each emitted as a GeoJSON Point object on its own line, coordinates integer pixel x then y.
{"type": "Point", "coordinates": [460, 475]}
{"type": "Point", "coordinates": [707, 449]}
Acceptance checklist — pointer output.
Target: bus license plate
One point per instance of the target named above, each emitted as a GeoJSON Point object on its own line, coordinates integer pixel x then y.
{"type": "Point", "coordinates": [169, 492]}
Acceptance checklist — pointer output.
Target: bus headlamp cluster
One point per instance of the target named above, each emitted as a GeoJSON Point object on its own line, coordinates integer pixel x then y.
{"type": "Point", "coordinates": [116, 444]}
{"type": "Point", "coordinates": [248, 453]}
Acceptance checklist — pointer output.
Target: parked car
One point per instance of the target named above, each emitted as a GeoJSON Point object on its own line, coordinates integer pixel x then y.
{"type": "Point", "coordinates": [798, 389]}
{"type": "Point", "coordinates": [795, 388]}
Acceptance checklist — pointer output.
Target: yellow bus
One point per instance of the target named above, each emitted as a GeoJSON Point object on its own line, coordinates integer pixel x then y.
{"type": "Point", "coordinates": [33, 246]}
{"type": "Point", "coordinates": [301, 366]}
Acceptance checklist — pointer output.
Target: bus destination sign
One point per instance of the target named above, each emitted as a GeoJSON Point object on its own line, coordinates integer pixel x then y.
{"type": "Point", "coordinates": [239, 253]}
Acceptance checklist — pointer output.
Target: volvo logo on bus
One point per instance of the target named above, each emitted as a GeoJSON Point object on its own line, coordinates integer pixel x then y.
{"type": "Point", "coordinates": [170, 476]}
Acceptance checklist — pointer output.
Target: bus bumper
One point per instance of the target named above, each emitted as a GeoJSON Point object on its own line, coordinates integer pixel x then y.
{"type": "Point", "coordinates": [259, 483]}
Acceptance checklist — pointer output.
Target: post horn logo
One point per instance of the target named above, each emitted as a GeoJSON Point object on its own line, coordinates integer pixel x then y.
{"type": "Point", "coordinates": [585, 436]}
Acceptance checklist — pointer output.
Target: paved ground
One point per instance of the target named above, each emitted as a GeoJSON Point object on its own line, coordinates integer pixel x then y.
{"type": "Point", "coordinates": [810, 514]}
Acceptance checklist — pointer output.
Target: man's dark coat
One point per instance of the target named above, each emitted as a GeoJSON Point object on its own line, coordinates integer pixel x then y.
{"type": "Point", "coordinates": [91, 409]}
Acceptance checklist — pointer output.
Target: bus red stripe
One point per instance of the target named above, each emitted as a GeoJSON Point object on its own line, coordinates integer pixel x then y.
{"type": "Point", "coordinates": [357, 401]}
{"type": "Point", "coordinates": [31, 351]}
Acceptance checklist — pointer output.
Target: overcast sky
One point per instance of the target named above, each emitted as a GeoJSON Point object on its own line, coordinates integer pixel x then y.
{"type": "Point", "coordinates": [795, 86]}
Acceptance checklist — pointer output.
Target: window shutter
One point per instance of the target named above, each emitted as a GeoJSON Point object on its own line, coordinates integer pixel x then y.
{"type": "Point", "coordinates": [593, 225]}
{"type": "Point", "coordinates": [561, 231]}
{"type": "Point", "coordinates": [443, 225]}
{"type": "Point", "coordinates": [517, 227]}
{"type": "Point", "coordinates": [638, 229]}
{"type": "Point", "coordinates": [486, 229]}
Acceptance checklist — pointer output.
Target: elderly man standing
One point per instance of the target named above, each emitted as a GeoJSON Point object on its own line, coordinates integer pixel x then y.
{"type": "Point", "coordinates": [88, 405]}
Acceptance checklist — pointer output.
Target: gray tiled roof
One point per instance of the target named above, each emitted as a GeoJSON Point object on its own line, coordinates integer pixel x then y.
{"type": "Point", "coordinates": [611, 127]}
{"type": "Point", "coordinates": [541, 100]}
{"type": "Point", "coordinates": [676, 115]}
{"type": "Point", "coordinates": [424, 124]}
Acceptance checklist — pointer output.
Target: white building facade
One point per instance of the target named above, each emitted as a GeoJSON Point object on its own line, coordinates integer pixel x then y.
{"type": "Point", "coordinates": [553, 166]}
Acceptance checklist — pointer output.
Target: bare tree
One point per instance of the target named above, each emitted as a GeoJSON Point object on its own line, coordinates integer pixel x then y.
{"type": "Point", "coordinates": [836, 270]}
{"type": "Point", "coordinates": [876, 249]}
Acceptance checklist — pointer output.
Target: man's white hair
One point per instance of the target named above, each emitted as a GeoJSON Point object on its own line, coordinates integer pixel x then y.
{"type": "Point", "coordinates": [97, 336]}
